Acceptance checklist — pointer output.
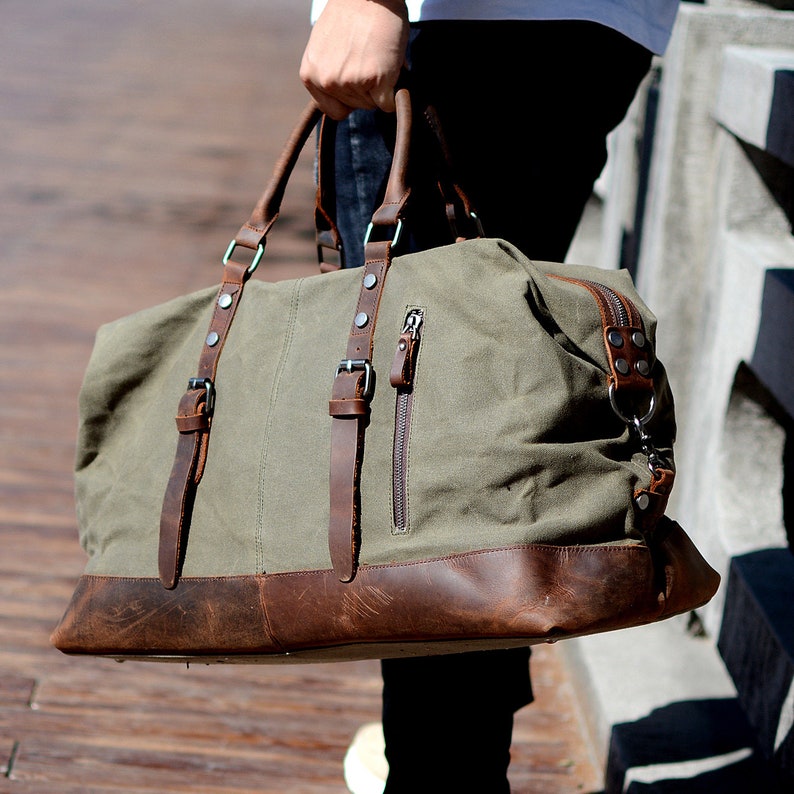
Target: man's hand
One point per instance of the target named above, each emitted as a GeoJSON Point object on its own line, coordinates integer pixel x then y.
{"type": "Point", "coordinates": [354, 55]}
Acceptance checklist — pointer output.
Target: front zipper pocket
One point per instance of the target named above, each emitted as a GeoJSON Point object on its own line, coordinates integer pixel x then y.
{"type": "Point", "coordinates": [402, 379]}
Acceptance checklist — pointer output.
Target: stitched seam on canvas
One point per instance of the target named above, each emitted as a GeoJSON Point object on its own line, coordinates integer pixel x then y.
{"type": "Point", "coordinates": [285, 348]}
{"type": "Point", "coordinates": [559, 550]}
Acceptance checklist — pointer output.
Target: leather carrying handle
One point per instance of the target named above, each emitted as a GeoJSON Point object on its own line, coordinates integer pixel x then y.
{"type": "Point", "coordinates": [327, 234]}
{"type": "Point", "coordinates": [253, 232]}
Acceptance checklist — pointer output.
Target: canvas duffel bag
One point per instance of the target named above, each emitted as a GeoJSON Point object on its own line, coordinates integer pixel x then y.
{"type": "Point", "coordinates": [450, 450]}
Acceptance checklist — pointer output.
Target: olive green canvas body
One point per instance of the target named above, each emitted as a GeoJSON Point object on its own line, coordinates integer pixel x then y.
{"type": "Point", "coordinates": [512, 437]}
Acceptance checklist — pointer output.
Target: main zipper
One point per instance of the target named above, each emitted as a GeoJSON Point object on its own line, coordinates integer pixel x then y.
{"type": "Point", "coordinates": [610, 300]}
{"type": "Point", "coordinates": [620, 312]}
{"type": "Point", "coordinates": [402, 378]}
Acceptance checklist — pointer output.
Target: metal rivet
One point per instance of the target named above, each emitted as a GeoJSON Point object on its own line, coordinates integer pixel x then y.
{"type": "Point", "coordinates": [361, 319]}
{"type": "Point", "coordinates": [225, 300]}
{"type": "Point", "coordinates": [615, 339]}
{"type": "Point", "coordinates": [642, 501]}
{"type": "Point", "coordinates": [638, 339]}
{"type": "Point", "coordinates": [212, 339]}
{"type": "Point", "coordinates": [370, 281]}
{"type": "Point", "coordinates": [402, 346]}
{"type": "Point", "coordinates": [642, 367]}
{"type": "Point", "coordinates": [622, 366]}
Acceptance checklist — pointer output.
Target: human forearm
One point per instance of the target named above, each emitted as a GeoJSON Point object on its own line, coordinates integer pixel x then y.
{"type": "Point", "coordinates": [354, 55]}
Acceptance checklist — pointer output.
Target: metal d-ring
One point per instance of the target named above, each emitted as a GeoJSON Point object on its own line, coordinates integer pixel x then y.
{"type": "Point", "coordinates": [633, 421]}
{"type": "Point", "coordinates": [637, 424]}
{"type": "Point", "coordinates": [397, 232]}
{"type": "Point", "coordinates": [260, 250]}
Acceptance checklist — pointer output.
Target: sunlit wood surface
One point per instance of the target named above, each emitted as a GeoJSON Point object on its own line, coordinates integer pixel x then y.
{"type": "Point", "coordinates": [134, 140]}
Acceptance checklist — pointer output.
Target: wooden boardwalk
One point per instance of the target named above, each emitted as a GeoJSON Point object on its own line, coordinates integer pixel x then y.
{"type": "Point", "coordinates": [134, 139]}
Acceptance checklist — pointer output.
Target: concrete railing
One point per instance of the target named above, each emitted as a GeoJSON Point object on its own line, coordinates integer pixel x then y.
{"type": "Point", "coordinates": [715, 263]}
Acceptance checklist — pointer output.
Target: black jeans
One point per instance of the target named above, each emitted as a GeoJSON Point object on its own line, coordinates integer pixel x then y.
{"type": "Point", "coordinates": [526, 108]}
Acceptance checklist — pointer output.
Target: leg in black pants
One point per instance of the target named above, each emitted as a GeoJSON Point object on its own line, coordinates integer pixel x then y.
{"type": "Point", "coordinates": [526, 108]}
{"type": "Point", "coordinates": [448, 720]}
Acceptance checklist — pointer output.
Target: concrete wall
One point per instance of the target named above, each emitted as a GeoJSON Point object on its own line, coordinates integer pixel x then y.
{"type": "Point", "coordinates": [710, 233]}
{"type": "Point", "coordinates": [712, 229]}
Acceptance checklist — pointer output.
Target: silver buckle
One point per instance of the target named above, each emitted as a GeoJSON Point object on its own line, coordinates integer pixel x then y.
{"type": "Point", "coordinates": [209, 387]}
{"type": "Point", "coordinates": [354, 364]}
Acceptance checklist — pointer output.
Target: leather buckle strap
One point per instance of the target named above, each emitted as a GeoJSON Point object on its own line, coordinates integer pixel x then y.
{"type": "Point", "coordinates": [194, 423]}
{"type": "Point", "coordinates": [354, 381]}
{"type": "Point", "coordinates": [349, 408]}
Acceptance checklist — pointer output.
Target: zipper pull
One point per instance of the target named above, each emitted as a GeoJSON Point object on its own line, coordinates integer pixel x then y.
{"type": "Point", "coordinates": [402, 369]}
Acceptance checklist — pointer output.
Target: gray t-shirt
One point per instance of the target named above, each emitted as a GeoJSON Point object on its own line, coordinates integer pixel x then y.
{"type": "Point", "coordinates": [648, 22]}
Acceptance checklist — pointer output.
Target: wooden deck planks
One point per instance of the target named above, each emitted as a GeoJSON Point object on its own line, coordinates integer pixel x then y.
{"type": "Point", "coordinates": [194, 730]}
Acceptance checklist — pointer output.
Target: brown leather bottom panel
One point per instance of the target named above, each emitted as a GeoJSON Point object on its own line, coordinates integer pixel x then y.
{"type": "Point", "coordinates": [493, 598]}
